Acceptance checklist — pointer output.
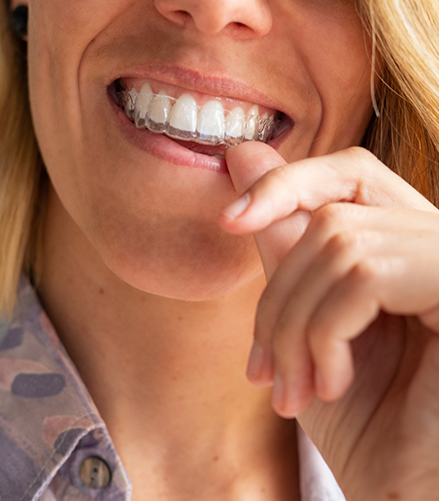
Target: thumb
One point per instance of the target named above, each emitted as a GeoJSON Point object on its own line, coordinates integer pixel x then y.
{"type": "Point", "coordinates": [247, 163]}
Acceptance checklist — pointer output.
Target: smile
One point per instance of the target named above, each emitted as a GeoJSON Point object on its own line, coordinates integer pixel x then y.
{"type": "Point", "coordinates": [202, 119]}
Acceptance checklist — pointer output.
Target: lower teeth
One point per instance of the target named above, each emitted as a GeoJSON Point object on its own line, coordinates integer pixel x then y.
{"type": "Point", "coordinates": [181, 119]}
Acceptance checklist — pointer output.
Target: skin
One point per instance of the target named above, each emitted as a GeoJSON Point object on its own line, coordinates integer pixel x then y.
{"type": "Point", "coordinates": [75, 49]}
{"type": "Point", "coordinates": [364, 271]}
{"type": "Point", "coordinates": [155, 301]}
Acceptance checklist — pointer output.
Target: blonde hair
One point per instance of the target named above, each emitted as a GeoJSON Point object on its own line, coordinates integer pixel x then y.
{"type": "Point", "coordinates": [21, 172]}
{"type": "Point", "coordinates": [405, 137]}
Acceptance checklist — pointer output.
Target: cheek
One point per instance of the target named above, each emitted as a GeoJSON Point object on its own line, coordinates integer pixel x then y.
{"type": "Point", "coordinates": [341, 71]}
{"type": "Point", "coordinates": [329, 46]}
{"type": "Point", "coordinates": [60, 31]}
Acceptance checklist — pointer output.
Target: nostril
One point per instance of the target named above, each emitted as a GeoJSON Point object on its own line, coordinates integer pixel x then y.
{"type": "Point", "coordinates": [179, 17]}
{"type": "Point", "coordinates": [183, 15]}
{"type": "Point", "coordinates": [241, 30]}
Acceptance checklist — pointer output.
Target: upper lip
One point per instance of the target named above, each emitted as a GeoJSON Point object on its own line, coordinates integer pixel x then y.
{"type": "Point", "coordinates": [193, 80]}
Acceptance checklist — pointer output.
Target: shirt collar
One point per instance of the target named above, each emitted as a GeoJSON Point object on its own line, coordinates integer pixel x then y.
{"type": "Point", "coordinates": [47, 417]}
{"type": "Point", "coordinates": [317, 483]}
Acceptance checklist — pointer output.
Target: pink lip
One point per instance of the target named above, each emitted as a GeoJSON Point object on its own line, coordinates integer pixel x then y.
{"type": "Point", "coordinates": [161, 146]}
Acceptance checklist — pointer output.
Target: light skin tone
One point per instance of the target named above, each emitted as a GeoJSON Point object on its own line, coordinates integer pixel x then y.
{"type": "Point", "coordinates": [154, 294]}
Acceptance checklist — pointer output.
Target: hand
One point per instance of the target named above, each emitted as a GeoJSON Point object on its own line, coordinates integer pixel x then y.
{"type": "Point", "coordinates": [359, 289]}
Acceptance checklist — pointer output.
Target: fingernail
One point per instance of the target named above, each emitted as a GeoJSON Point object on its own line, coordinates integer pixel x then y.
{"type": "Point", "coordinates": [278, 395]}
{"type": "Point", "coordinates": [255, 362]}
{"type": "Point", "coordinates": [235, 209]}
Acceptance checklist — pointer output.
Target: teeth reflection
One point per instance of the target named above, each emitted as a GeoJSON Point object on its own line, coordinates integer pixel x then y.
{"type": "Point", "coordinates": [234, 127]}
{"type": "Point", "coordinates": [252, 124]}
{"type": "Point", "coordinates": [159, 112]}
{"type": "Point", "coordinates": [183, 118]}
{"type": "Point", "coordinates": [210, 125]}
{"type": "Point", "coordinates": [142, 105]}
{"type": "Point", "coordinates": [264, 127]}
{"type": "Point", "coordinates": [128, 103]}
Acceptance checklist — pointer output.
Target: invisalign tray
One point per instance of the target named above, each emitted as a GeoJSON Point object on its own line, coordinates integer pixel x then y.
{"type": "Point", "coordinates": [182, 119]}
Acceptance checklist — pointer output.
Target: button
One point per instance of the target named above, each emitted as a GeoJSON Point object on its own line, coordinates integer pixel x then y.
{"type": "Point", "coordinates": [95, 473]}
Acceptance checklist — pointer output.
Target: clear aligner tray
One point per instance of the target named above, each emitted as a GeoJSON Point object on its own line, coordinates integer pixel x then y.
{"type": "Point", "coordinates": [209, 125]}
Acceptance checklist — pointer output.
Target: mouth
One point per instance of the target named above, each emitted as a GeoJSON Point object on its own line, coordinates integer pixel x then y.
{"type": "Point", "coordinates": [201, 123]}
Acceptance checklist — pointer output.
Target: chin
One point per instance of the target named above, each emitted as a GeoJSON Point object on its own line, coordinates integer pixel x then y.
{"type": "Point", "coordinates": [196, 288]}
{"type": "Point", "coordinates": [202, 270]}
{"type": "Point", "coordinates": [202, 283]}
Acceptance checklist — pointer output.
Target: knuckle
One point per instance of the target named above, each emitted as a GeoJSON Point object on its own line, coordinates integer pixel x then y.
{"type": "Point", "coordinates": [271, 187]}
{"type": "Point", "coordinates": [344, 244]}
{"type": "Point", "coordinates": [330, 219]}
{"type": "Point", "coordinates": [326, 217]}
{"type": "Point", "coordinates": [361, 154]}
{"type": "Point", "coordinates": [365, 272]}
{"type": "Point", "coordinates": [275, 177]}
{"type": "Point", "coordinates": [318, 335]}
{"type": "Point", "coordinates": [281, 172]}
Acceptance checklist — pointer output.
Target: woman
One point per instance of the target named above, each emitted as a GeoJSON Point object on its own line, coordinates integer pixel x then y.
{"type": "Point", "coordinates": [137, 236]}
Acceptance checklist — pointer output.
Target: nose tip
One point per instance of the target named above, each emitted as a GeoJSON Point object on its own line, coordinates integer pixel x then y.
{"type": "Point", "coordinates": [211, 17]}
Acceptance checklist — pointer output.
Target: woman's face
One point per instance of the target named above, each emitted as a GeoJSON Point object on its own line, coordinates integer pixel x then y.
{"type": "Point", "coordinates": [148, 204]}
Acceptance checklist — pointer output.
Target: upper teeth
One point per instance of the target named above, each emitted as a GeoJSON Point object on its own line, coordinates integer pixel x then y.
{"type": "Point", "coordinates": [182, 118]}
{"type": "Point", "coordinates": [210, 123]}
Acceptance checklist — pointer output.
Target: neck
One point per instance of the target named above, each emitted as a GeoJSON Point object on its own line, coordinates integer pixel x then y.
{"type": "Point", "coordinates": [161, 371]}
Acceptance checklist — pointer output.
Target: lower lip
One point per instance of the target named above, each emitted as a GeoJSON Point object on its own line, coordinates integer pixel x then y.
{"type": "Point", "coordinates": [161, 146]}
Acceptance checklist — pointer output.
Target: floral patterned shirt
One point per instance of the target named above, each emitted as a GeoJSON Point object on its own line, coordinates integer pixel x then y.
{"type": "Point", "coordinates": [54, 446]}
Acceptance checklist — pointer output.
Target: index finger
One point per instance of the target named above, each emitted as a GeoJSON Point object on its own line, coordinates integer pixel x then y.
{"type": "Point", "coordinates": [352, 175]}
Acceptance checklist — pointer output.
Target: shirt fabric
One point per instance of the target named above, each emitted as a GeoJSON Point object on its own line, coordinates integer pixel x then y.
{"type": "Point", "coordinates": [49, 425]}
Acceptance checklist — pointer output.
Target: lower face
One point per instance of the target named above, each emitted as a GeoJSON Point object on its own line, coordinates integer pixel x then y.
{"type": "Point", "coordinates": [148, 202]}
